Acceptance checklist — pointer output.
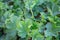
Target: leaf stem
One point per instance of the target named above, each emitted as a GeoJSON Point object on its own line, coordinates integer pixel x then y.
{"type": "Point", "coordinates": [32, 13]}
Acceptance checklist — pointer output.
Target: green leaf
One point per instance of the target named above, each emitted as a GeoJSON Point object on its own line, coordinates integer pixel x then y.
{"type": "Point", "coordinates": [29, 4]}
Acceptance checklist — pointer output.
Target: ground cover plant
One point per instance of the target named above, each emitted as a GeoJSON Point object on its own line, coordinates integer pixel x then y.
{"type": "Point", "coordinates": [29, 19]}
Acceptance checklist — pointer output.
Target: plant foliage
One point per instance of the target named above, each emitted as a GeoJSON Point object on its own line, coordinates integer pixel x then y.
{"type": "Point", "coordinates": [29, 19]}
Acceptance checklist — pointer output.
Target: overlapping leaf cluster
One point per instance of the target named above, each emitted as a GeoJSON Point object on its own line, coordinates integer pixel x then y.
{"type": "Point", "coordinates": [29, 19]}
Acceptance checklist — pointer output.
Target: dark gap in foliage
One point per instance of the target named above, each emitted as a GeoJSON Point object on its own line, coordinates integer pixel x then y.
{"type": "Point", "coordinates": [44, 7]}
{"type": "Point", "coordinates": [47, 20]}
{"type": "Point", "coordinates": [7, 9]}
{"type": "Point", "coordinates": [2, 32]}
{"type": "Point", "coordinates": [29, 12]}
{"type": "Point", "coordinates": [34, 26]}
{"type": "Point", "coordinates": [38, 15]}
{"type": "Point", "coordinates": [23, 14]}
{"type": "Point", "coordinates": [11, 3]}
{"type": "Point", "coordinates": [13, 11]}
{"type": "Point", "coordinates": [22, 1]}
{"type": "Point", "coordinates": [45, 10]}
{"type": "Point", "coordinates": [45, 28]}
{"type": "Point", "coordinates": [53, 38]}
{"type": "Point", "coordinates": [44, 38]}
{"type": "Point", "coordinates": [44, 33]}
{"type": "Point", "coordinates": [58, 15]}
{"type": "Point", "coordinates": [17, 37]}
